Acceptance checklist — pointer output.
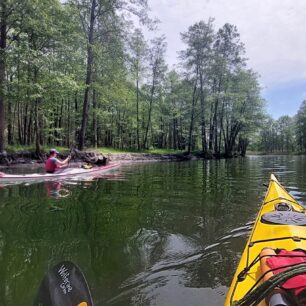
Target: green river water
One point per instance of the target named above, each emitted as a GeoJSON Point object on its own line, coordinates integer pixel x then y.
{"type": "Point", "coordinates": [155, 233]}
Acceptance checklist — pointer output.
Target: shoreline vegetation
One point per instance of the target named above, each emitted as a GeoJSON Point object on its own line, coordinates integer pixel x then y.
{"type": "Point", "coordinates": [87, 76]}
{"type": "Point", "coordinates": [18, 155]}
{"type": "Point", "coordinates": [28, 155]}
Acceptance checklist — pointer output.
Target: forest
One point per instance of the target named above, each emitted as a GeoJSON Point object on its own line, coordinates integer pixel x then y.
{"type": "Point", "coordinates": [81, 73]}
{"type": "Point", "coordinates": [283, 135]}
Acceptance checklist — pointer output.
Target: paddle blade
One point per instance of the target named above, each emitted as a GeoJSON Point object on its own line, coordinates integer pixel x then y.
{"type": "Point", "coordinates": [64, 285]}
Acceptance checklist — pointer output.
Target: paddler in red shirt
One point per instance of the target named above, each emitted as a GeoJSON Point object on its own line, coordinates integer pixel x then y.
{"type": "Point", "coordinates": [53, 164]}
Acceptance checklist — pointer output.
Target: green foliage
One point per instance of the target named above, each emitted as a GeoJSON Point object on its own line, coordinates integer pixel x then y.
{"type": "Point", "coordinates": [134, 103]}
{"type": "Point", "coordinates": [277, 136]}
{"type": "Point", "coordinates": [300, 127]}
{"type": "Point", "coordinates": [24, 148]}
{"type": "Point", "coordinates": [226, 102]}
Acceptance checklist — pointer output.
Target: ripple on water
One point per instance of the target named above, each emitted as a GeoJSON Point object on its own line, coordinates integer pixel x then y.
{"type": "Point", "coordinates": [152, 234]}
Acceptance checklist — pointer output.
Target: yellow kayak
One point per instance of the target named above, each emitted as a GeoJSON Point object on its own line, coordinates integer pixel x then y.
{"type": "Point", "coordinates": [280, 224]}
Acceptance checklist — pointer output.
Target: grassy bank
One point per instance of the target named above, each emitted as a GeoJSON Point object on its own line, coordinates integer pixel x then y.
{"type": "Point", "coordinates": [151, 151]}
{"type": "Point", "coordinates": [17, 148]}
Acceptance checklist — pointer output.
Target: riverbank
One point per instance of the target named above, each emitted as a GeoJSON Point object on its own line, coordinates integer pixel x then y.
{"type": "Point", "coordinates": [30, 157]}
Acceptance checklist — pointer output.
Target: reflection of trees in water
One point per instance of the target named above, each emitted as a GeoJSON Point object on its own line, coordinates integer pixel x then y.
{"type": "Point", "coordinates": [134, 238]}
{"type": "Point", "coordinates": [115, 229]}
{"type": "Point", "coordinates": [207, 214]}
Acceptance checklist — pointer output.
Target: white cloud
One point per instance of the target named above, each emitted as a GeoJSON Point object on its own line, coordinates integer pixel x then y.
{"type": "Point", "coordinates": [273, 31]}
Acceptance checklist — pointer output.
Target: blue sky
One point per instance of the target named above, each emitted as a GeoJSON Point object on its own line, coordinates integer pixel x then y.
{"type": "Point", "coordinates": [273, 32]}
{"type": "Point", "coordinates": [285, 99]}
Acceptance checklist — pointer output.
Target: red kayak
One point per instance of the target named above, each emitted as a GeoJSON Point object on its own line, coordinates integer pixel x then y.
{"type": "Point", "coordinates": [66, 173]}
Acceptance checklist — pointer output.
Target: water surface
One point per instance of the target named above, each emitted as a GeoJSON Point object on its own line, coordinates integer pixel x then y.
{"type": "Point", "coordinates": [158, 233]}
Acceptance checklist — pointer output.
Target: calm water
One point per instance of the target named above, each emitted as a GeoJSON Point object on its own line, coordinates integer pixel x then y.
{"type": "Point", "coordinates": [146, 234]}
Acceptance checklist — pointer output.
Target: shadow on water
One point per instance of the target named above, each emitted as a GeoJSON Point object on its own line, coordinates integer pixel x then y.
{"type": "Point", "coordinates": [157, 234]}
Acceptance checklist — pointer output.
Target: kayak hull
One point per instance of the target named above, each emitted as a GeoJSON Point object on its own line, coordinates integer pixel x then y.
{"type": "Point", "coordinates": [265, 234]}
{"type": "Point", "coordinates": [67, 173]}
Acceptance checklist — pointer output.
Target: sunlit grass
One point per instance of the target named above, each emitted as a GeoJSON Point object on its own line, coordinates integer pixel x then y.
{"type": "Point", "coordinates": [106, 150]}
{"type": "Point", "coordinates": [150, 151]}
{"type": "Point", "coordinates": [164, 151]}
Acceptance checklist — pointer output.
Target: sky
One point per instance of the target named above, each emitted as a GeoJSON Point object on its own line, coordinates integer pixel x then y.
{"type": "Point", "coordinates": [274, 34]}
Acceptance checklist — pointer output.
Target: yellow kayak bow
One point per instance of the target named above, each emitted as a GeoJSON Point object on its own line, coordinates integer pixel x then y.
{"type": "Point", "coordinates": [280, 224]}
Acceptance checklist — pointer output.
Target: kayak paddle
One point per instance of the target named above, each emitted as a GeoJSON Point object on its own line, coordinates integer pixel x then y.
{"type": "Point", "coordinates": [63, 285]}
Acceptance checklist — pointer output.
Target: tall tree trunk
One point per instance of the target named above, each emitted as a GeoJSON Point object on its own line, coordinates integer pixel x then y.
{"type": "Point", "coordinates": [221, 129]}
{"type": "Point", "coordinates": [182, 140]}
{"type": "Point", "coordinates": [175, 134]}
{"type": "Point", "coordinates": [88, 76]}
{"type": "Point", "coordinates": [28, 132]}
{"type": "Point", "coordinates": [19, 116]}
{"type": "Point", "coordinates": [137, 112]}
{"type": "Point", "coordinates": [10, 123]}
{"type": "Point", "coordinates": [192, 115]}
{"type": "Point", "coordinates": [94, 119]}
{"type": "Point", "coordinates": [211, 130]}
{"type": "Point", "coordinates": [60, 116]}
{"type": "Point", "coordinates": [211, 125]}
{"type": "Point", "coordinates": [149, 115]}
{"type": "Point", "coordinates": [14, 124]}
{"type": "Point", "coordinates": [234, 131]}
{"type": "Point", "coordinates": [203, 126]}
{"type": "Point", "coordinates": [68, 123]}
{"type": "Point", "coordinates": [215, 126]}
{"type": "Point", "coordinates": [37, 138]}
{"type": "Point", "coordinates": [3, 38]}
{"type": "Point", "coordinates": [119, 129]}
{"type": "Point", "coordinates": [242, 145]}
{"type": "Point", "coordinates": [36, 116]}
{"type": "Point", "coordinates": [215, 120]}
{"type": "Point", "coordinates": [162, 134]}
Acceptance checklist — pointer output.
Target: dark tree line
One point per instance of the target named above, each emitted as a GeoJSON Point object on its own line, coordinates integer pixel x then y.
{"type": "Point", "coordinates": [79, 73]}
{"type": "Point", "coordinates": [284, 135]}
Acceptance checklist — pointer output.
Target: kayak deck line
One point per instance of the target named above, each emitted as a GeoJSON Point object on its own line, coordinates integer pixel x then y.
{"type": "Point", "coordinates": [279, 224]}
{"type": "Point", "coordinates": [252, 243]}
{"type": "Point", "coordinates": [294, 238]}
{"type": "Point", "coordinates": [283, 199]}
